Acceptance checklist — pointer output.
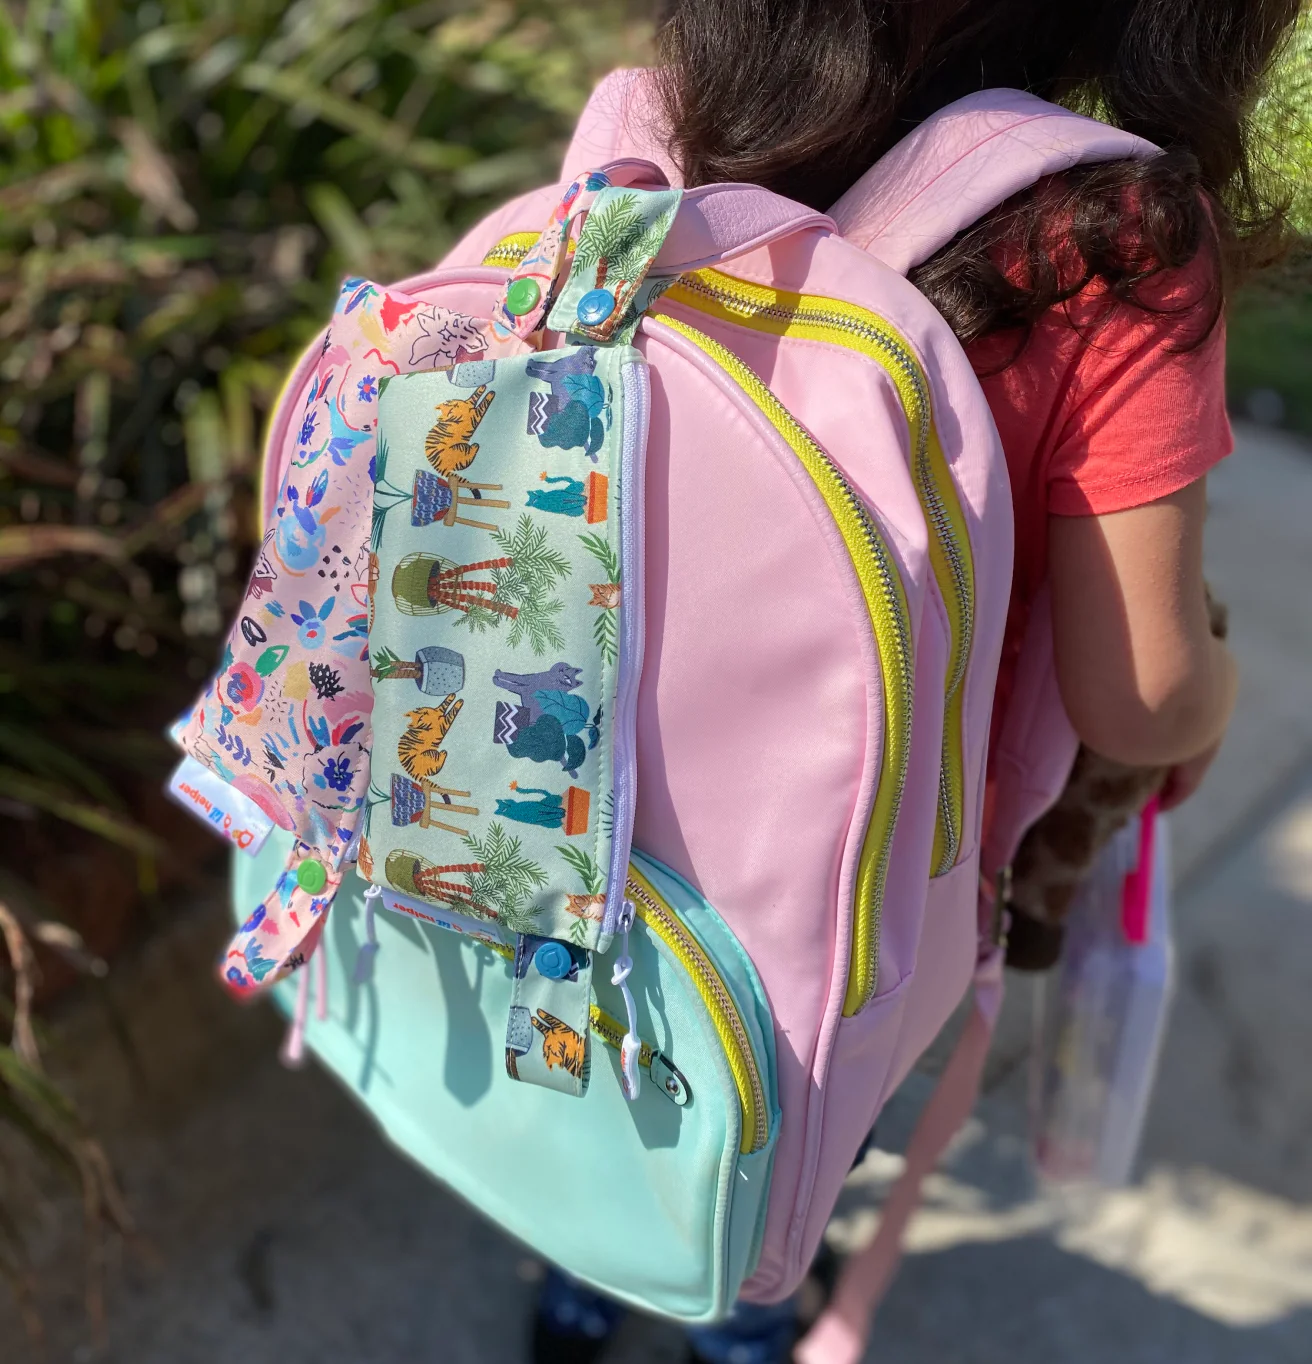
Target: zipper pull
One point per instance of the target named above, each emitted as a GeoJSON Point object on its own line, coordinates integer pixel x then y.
{"type": "Point", "coordinates": [368, 950]}
{"type": "Point", "coordinates": [631, 1046]}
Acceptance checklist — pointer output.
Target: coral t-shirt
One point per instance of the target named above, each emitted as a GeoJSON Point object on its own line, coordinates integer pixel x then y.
{"type": "Point", "coordinates": [1108, 407]}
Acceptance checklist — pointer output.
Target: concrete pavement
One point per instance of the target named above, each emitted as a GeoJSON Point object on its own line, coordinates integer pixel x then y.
{"type": "Point", "coordinates": [283, 1231]}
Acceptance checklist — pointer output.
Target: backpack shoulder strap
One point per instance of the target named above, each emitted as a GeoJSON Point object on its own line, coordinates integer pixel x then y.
{"type": "Point", "coordinates": [963, 162]}
{"type": "Point", "coordinates": [621, 119]}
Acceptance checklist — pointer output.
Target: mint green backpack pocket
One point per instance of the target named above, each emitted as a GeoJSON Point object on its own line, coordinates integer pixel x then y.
{"type": "Point", "coordinates": [659, 1202]}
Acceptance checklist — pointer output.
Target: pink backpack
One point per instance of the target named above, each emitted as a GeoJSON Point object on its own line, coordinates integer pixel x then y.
{"type": "Point", "coordinates": [828, 567]}
{"type": "Point", "coordinates": [844, 1056]}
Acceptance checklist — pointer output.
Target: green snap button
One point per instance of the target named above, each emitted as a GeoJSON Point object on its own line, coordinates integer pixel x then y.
{"type": "Point", "coordinates": [311, 876]}
{"type": "Point", "coordinates": [522, 297]}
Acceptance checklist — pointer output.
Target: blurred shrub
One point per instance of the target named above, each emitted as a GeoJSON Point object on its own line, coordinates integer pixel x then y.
{"type": "Point", "coordinates": [1270, 325]}
{"type": "Point", "coordinates": [182, 184]}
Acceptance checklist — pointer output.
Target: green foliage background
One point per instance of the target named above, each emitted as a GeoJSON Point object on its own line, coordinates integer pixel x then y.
{"type": "Point", "coordinates": [1270, 322]}
{"type": "Point", "coordinates": [182, 185]}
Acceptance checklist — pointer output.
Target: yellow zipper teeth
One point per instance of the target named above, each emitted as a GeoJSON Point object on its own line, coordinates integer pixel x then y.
{"type": "Point", "coordinates": [836, 322]}
{"type": "Point", "coordinates": [891, 625]}
{"type": "Point", "coordinates": [612, 1032]}
{"type": "Point", "coordinates": [826, 319]}
{"type": "Point", "coordinates": [651, 908]}
{"type": "Point", "coordinates": [510, 250]}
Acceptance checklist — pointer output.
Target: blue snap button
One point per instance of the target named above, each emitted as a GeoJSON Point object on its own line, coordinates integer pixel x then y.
{"type": "Point", "coordinates": [595, 307]}
{"type": "Point", "coordinates": [553, 960]}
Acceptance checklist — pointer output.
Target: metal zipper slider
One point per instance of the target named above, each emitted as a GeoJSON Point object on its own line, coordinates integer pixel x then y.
{"type": "Point", "coordinates": [631, 1046]}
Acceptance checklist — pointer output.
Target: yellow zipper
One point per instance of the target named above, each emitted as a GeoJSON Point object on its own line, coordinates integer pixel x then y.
{"type": "Point", "coordinates": [612, 1032]}
{"type": "Point", "coordinates": [509, 251]}
{"type": "Point", "coordinates": [652, 908]}
{"type": "Point", "coordinates": [891, 624]}
{"type": "Point", "coordinates": [815, 317]}
{"type": "Point", "coordinates": [835, 322]}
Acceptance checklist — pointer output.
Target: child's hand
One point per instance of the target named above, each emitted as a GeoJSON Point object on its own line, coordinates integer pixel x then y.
{"type": "Point", "coordinates": [1185, 778]}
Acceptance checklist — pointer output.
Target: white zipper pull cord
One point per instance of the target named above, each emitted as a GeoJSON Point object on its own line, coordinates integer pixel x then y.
{"type": "Point", "coordinates": [631, 1047]}
{"type": "Point", "coordinates": [368, 950]}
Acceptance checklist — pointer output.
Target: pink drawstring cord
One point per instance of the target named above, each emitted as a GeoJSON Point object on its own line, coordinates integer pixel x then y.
{"type": "Point", "coordinates": [320, 983]}
{"type": "Point", "coordinates": [293, 1047]}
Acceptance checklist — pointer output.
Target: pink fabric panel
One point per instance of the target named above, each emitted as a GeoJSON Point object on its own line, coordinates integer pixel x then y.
{"type": "Point", "coordinates": [834, 401]}
{"type": "Point", "coordinates": [963, 162]}
{"type": "Point", "coordinates": [839, 1335]}
{"type": "Point", "coordinates": [720, 222]}
{"type": "Point", "coordinates": [1037, 745]}
{"type": "Point", "coordinates": [857, 1053]}
{"type": "Point", "coordinates": [748, 787]}
{"type": "Point", "coordinates": [622, 118]}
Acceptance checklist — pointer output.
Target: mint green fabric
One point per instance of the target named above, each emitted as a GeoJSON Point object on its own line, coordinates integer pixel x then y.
{"type": "Point", "coordinates": [621, 237]}
{"type": "Point", "coordinates": [649, 1202]}
{"type": "Point", "coordinates": [547, 1028]}
{"type": "Point", "coordinates": [494, 638]}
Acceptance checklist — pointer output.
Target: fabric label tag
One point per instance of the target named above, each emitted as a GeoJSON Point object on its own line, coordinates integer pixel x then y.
{"type": "Point", "coordinates": [478, 929]}
{"type": "Point", "coordinates": [223, 808]}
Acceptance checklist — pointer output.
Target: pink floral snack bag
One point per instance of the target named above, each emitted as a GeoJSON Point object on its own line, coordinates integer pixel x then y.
{"type": "Point", "coordinates": [285, 721]}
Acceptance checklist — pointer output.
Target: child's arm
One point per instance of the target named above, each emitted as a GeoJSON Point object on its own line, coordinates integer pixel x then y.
{"type": "Point", "coordinates": [1144, 681]}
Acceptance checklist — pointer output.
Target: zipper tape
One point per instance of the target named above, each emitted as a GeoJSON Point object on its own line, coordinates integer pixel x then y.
{"type": "Point", "coordinates": [890, 622]}
{"type": "Point", "coordinates": [819, 318]}
{"type": "Point", "coordinates": [655, 911]}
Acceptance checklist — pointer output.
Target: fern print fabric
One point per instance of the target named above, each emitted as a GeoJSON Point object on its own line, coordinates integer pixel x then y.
{"type": "Point", "coordinates": [621, 237]}
{"type": "Point", "coordinates": [495, 639]}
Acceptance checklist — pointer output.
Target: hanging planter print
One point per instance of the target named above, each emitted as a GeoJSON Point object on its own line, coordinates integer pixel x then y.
{"type": "Point", "coordinates": [495, 644]}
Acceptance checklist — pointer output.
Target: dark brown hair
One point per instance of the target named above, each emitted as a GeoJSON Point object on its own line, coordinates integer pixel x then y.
{"type": "Point", "coordinates": [802, 96]}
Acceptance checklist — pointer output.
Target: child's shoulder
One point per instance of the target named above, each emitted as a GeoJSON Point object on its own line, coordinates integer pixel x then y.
{"type": "Point", "coordinates": [1117, 396]}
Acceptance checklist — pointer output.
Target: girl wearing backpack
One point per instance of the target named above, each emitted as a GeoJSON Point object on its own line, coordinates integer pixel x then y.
{"type": "Point", "coordinates": [1090, 306]}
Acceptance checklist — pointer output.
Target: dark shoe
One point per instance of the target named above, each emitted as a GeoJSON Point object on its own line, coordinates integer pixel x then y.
{"type": "Point", "coordinates": [572, 1325]}
{"type": "Point", "coordinates": [752, 1334]}
{"type": "Point", "coordinates": [549, 1347]}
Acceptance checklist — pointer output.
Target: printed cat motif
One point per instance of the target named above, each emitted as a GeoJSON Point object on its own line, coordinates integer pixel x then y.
{"type": "Point", "coordinates": [448, 447]}
{"type": "Point", "coordinates": [562, 1047]}
{"type": "Point", "coordinates": [420, 749]}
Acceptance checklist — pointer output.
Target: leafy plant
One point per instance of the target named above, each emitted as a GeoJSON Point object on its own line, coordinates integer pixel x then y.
{"type": "Point", "coordinates": [507, 878]}
{"type": "Point", "coordinates": [584, 866]}
{"type": "Point", "coordinates": [605, 629]}
{"type": "Point", "coordinates": [183, 183]}
{"type": "Point", "coordinates": [525, 584]}
{"type": "Point", "coordinates": [1269, 369]}
{"type": "Point", "coordinates": [40, 1113]}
